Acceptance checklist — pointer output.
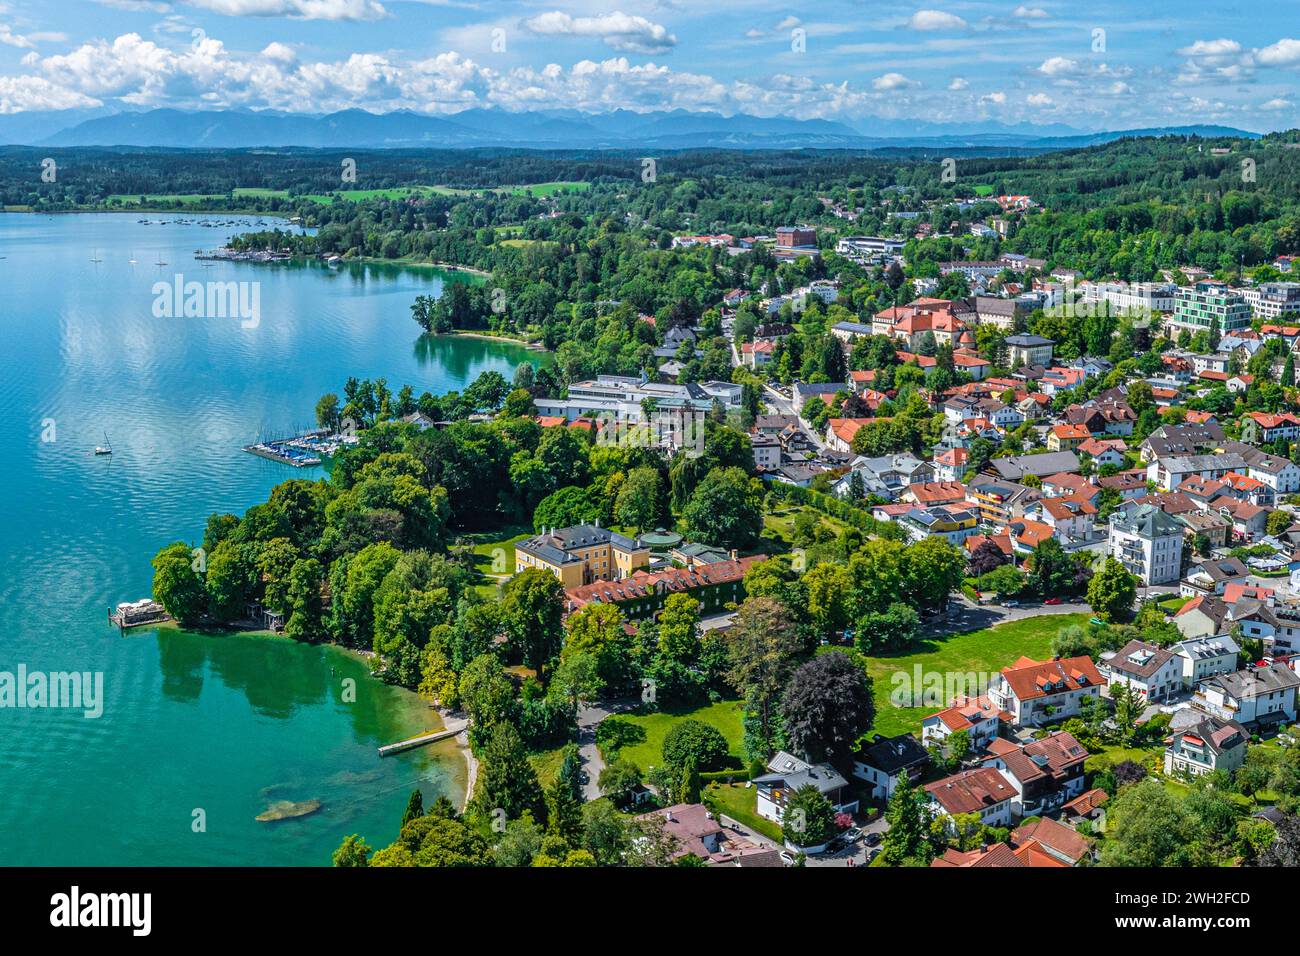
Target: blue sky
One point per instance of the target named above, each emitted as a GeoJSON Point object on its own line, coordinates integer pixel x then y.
{"type": "Point", "coordinates": [1115, 66]}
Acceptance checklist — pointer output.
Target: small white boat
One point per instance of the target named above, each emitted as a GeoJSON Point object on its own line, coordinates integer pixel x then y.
{"type": "Point", "coordinates": [106, 448]}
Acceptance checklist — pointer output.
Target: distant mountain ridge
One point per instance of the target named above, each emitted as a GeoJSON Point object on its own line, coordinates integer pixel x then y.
{"type": "Point", "coordinates": [547, 129]}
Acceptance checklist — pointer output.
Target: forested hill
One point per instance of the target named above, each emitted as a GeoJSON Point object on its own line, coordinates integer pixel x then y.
{"type": "Point", "coordinates": [1126, 208]}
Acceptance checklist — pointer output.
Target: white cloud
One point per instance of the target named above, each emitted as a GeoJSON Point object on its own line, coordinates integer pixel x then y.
{"type": "Point", "coordinates": [1038, 99]}
{"type": "Point", "coordinates": [787, 23]}
{"type": "Point", "coordinates": [1058, 66]}
{"type": "Point", "coordinates": [892, 81]}
{"type": "Point", "coordinates": [936, 20]}
{"type": "Point", "coordinates": [1277, 104]}
{"type": "Point", "coordinates": [620, 30]}
{"type": "Point", "coordinates": [19, 94]}
{"type": "Point", "coordinates": [297, 9]}
{"type": "Point", "coordinates": [958, 83]}
{"type": "Point", "coordinates": [279, 51]}
{"type": "Point", "coordinates": [26, 41]}
{"type": "Point", "coordinates": [1285, 52]}
{"type": "Point", "coordinates": [1211, 48]}
{"type": "Point", "coordinates": [1029, 13]}
{"type": "Point", "coordinates": [995, 98]}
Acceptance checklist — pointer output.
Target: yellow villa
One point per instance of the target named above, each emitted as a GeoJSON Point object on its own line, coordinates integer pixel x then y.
{"type": "Point", "coordinates": [582, 554]}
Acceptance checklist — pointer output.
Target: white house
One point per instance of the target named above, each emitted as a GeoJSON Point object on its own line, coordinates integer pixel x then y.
{"type": "Point", "coordinates": [982, 791]}
{"type": "Point", "coordinates": [1256, 696]}
{"type": "Point", "coordinates": [1148, 542]}
{"type": "Point", "coordinates": [1035, 692]}
{"type": "Point", "coordinates": [787, 773]}
{"type": "Point", "coordinates": [1046, 773]}
{"type": "Point", "coordinates": [974, 715]}
{"type": "Point", "coordinates": [1206, 657]}
{"type": "Point", "coordinates": [886, 760]}
{"type": "Point", "coordinates": [1155, 673]}
{"type": "Point", "coordinates": [1212, 744]}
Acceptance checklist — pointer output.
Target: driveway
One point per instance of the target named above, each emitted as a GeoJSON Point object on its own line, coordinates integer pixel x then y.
{"type": "Point", "coordinates": [856, 855]}
{"type": "Point", "coordinates": [589, 716]}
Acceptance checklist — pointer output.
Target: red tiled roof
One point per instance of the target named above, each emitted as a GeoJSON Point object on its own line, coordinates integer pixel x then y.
{"type": "Point", "coordinates": [937, 492]}
{"type": "Point", "coordinates": [1085, 803]}
{"type": "Point", "coordinates": [1030, 679]}
{"type": "Point", "coordinates": [971, 790]}
{"type": "Point", "coordinates": [643, 583]}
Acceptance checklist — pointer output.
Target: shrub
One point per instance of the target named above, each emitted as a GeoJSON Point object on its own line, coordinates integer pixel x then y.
{"type": "Point", "coordinates": [693, 741]}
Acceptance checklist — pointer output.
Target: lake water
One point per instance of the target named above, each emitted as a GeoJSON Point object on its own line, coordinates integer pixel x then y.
{"type": "Point", "coordinates": [194, 728]}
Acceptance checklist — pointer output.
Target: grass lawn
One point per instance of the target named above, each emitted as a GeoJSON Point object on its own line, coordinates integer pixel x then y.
{"type": "Point", "coordinates": [1174, 604]}
{"type": "Point", "coordinates": [778, 525]}
{"type": "Point", "coordinates": [644, 732]}
{"type": "Point", "coordinates": [494, 560]}
{"type": "Point", "coordinates": [978, 652]}
{"type": "Point", "coordinates": [1149, 757]}
{"type": "Point", "coordinates": [184, 199]}
{"type": "Point", "coordinates": [741, 804]}
{"type": "Point", "coordinates": [546, 764]}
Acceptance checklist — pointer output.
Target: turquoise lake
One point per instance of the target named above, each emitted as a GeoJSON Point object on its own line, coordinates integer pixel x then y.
{"type": "Point", "coordinates": [221, 725]}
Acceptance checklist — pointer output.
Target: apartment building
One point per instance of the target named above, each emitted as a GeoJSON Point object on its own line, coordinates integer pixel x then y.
{"type": "Point", "coordinates": [1199, 307]}
{"type": "Point", "coordinates": [1148, 542]}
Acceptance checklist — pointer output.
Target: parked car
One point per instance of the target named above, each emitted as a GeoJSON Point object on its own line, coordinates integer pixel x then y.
{"type": "Point", "coordinates": [1011, 603]}
{"type": "Point", "coordinates": [1053, 600]}
{"type": "Point", "coordinates": [852, 834]}
{"type": "Point", "coordinates": [836, 844]}
{"type": "Point", "coordinates": [787, 858]}
{"type": "Point", "coordinates": [874, 838]}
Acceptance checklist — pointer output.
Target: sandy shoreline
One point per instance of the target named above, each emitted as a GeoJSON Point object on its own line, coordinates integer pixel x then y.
{"type": "Point", "coordinates": [532, 347]}
{"type": "Point", "coordinates": [462, 745]}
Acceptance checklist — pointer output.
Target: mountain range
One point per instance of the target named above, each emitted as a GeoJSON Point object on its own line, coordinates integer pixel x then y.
{"type": "Point", "coordinates": [545, 129]}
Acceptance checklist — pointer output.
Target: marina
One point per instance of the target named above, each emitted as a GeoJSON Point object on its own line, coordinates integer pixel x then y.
{"type": "Point", "coordinates": [303, 451]}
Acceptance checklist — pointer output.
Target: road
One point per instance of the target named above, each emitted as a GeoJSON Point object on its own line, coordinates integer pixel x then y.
{"type": "Point", "coordinates": [966, 616]}
{"type": "Point", "coordinates": [780, 405]}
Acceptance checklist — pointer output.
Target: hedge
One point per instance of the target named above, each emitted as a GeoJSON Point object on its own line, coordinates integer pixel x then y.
{"type": "Point", "coordinates": [838, 508]}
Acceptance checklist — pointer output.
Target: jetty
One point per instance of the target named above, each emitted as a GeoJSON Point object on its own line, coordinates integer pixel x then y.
{"type": "Point", "coordinates": [453, 728]}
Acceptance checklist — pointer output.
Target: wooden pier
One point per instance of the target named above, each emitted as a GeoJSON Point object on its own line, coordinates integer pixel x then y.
{"type": "Point", "coordinates": [451, 730]}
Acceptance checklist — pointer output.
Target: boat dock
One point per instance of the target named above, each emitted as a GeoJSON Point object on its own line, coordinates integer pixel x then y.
{"type": "Point", "coordinates": [302, 451]}
{"type": "Point", "coordinates": [277, 451]}
{"type": "Point", "coordinates": [140, 613]}
{"type": "Point", "coordinates": [453, 728]}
